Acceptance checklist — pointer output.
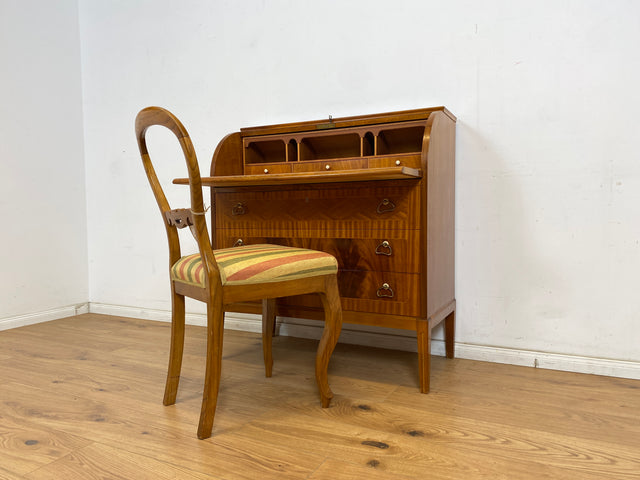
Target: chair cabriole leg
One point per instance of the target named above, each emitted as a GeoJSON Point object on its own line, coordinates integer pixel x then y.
{"type": "Point", "coordinates": [332, 327]}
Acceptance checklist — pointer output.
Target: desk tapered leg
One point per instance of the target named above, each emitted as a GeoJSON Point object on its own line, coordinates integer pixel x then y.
{"type": "Point", "coordinates": [423, 331]}
{"type": "Point", "coordinates": [268, 325]}
{"type": "Point", "coordinates": [449, 333]}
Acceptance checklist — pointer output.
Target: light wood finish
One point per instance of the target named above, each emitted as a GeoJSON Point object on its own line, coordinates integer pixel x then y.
{"type": "Point", "coordinates": [323, 185]}
{"type": "Point", "coordinates": [215, 293]}
{"type": "Point", "coordinates": [78, 400]}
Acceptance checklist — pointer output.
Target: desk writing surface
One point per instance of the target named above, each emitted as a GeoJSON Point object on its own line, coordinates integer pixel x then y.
{"type": "Point", "coordinates": [392, 173]}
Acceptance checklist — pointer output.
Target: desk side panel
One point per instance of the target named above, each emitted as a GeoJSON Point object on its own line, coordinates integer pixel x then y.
{"type": "Point", "coordinates": [440, 214]}
{"type": "Point", "coordinates": [227, 158]}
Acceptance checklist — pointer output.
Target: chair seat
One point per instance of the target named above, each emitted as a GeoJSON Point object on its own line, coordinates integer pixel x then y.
{"type": "Point", "coordinates": [256, 264]}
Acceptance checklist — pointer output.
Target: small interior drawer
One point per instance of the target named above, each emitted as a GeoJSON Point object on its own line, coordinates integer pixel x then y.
{"type": "Point", "coordinates": [329, 165]}
{"type": "Point", "coordinates": [411, 161]}
{"type": "Point", "coordinates": [267, 168]}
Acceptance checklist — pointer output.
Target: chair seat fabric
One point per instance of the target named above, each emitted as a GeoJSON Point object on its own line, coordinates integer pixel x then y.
{"type": "Point", "coordinates": [256, 264]}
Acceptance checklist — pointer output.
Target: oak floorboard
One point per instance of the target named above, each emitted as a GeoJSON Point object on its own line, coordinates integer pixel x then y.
{"type": "Point", "coordinates": [332, 469]}
{"type": "Point", "coordinates": [7, 475]}
{"type": "Point", "coordinates": [97, 462]}
{"type": "Point", "coordinates": [166, 434]}
{"type": "Point", "coordinates": [452, 448]}
{"type": "Point", "coordinates": [25, 446]}
{"type": "Point", "coordinates": [82, 398]}
{"type": "Point", "coordinates": [606, 424]}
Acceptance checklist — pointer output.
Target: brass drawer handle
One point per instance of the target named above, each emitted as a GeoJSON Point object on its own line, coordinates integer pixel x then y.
{"type": "Point", "coordinates": [239, 243]}
{"type": "Point", "coordinates": [384, 249]}
{"type": "Point", "coordinates": [386, 205]}
{"type": "Point", "coordinates": [238, 209]}
{"type": "Point", "coordinates": [385, 291]}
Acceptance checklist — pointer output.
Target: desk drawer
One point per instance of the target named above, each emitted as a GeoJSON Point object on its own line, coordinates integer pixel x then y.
{"type": "Point", "coordinates": [267, 168]}
{"type": "Point", "coordinates": [380, 252]}
{"type": "Point", "coordinates": [408, 160]}
{"type": "Point", "coordinates": [265, 212]}
{"type": "Point", "coordinates": [329, 165]}
{"type": "Point", "coordinates": [374, 292]}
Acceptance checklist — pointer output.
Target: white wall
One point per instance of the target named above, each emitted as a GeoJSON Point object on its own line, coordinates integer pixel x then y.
{"type": "Point", "coordinates": [548, 184]}
{"type": "Point", "coordinates": [43, 246]}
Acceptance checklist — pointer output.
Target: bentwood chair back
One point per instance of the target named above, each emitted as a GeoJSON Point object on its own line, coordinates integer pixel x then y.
{"type": "Point", "coordinates": [221, 277]}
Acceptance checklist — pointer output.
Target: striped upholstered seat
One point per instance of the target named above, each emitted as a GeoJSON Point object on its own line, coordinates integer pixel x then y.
{"type": "Point", "coordinates": [256, 264]}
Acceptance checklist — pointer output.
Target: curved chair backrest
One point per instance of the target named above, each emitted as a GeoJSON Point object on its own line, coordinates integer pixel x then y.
{"type": "Point", "coordinates": [174, 219]}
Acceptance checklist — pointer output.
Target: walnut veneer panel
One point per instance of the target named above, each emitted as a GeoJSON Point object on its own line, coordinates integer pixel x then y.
{"type": "Point", "coordinates": [267, 213]}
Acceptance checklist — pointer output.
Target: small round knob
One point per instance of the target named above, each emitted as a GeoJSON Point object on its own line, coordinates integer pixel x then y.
{"type": "Point", "coordinates": [398, 162]}
{"type": "Point", "coordinates": [385, 286]}
{"type": "Point", "coordinates": [327, 167]}
{"type": "Point", "coordinates": [385, 244]}
{"type": "Point", "coordinates": [266, 170]}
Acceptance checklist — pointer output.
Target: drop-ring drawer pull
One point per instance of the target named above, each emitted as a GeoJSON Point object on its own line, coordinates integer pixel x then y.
{"type": "Point", "coordinates": [384, 249]}
{"type": "Point", "coordinates": [239, 243]}
{"type": "Point", "coordinates": [238, 209]}
{"type": "Point", "coordinates": [385, 291]}
{"type": "Point", "coordinates": [386, 205]}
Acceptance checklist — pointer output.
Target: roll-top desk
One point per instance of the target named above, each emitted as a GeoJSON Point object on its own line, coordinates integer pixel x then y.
{"type": "Point", "coordinates": [375, 191]}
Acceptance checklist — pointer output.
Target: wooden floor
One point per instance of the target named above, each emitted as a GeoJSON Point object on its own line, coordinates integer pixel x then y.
{"type": "Point", "coordinates": [81, 398]}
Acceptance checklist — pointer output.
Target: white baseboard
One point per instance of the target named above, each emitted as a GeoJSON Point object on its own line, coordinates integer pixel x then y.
{"type": "Point", "coordinates": [45, 316]}
{"type": "Point", "coordinates": [232, 321]}
{"type": "Point", "coordinates": [355, 334]}
{"type": "Point", "coordinates": [403, 340]}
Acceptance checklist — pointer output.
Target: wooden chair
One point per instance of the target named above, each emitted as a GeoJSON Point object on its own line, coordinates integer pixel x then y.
{"type": "Point", "coordinates": [221, 277]}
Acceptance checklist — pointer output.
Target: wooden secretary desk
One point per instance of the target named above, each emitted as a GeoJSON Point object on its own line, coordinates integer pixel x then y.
{"type": "Point", "coordinates": [375, 191]}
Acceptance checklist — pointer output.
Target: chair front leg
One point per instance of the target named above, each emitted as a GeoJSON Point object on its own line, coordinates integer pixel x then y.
{"type": "Point", "coordinates": [332, 328]}
{"type": "Point", "coordinates": [176, 349]}
{"type": "Point", "coordinates": [215, 330]}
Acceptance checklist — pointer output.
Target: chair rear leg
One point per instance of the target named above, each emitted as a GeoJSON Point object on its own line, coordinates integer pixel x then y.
{"type": "Point", "coordinates": [215, 329]}
{"type": "Point", "coordinates": [176, 348]}
{"type": "Point", "coordinates": [332, 327]}
{"type": "Point", "coordinates": [268, 325]}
